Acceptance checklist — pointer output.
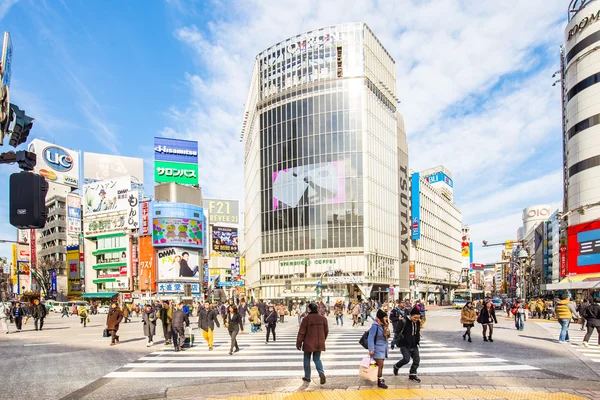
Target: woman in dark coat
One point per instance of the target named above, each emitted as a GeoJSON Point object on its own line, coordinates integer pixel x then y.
{"type": "Point", "coordinates": [487, 319]}
{"type": "Point", "coordinates": [149, 318]}
{"type": "Point", "coordinates": [234, 326]}
{"type": "Point", "coordinates": [113, 319]}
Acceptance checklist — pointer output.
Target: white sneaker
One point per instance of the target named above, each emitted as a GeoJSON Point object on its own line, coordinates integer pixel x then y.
{"type": "Point", "coordinates": [148, 344]}
{"type": "Point", "coordinates": [586, 345]}
{"type": "Point", "coordinates": [151, 343]}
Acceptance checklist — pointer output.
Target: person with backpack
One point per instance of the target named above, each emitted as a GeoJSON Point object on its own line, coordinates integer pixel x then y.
{"type": "Point", "coordinates": [408, 339]}
{"type": "Point", "coordinates": [487, 319]}
{"type": "Point", "coordinates": [379, 333]}
{"type": "Point", "coordinates": [83, 316]}
{"type": "Point", "coordinates": [166, 317]}
{"type": "Point", "coordinates": [565, 311]}
{"type": "Point", "coordinates": [311, 340]}
{"type": "Point", "coordinates": [592, 315]}
{"type": "Point", "coordinates": [396, 316]}
{"type": "Point", "coordinates": [179, 322]}
{"type": "Point", "coordinates": [339, 313]}
{"type": "Point", "coordinates": [520, 314]}
{"type": "Point", "coordinates": [468, 316]}
{"type": "Point", "coordinates": [271, 322]}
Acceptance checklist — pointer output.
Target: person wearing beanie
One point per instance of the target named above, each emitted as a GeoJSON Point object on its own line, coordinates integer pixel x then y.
{"type": "Point", "coordinates": [379, 333]}
{"type": "Point", "coordinates": [407, 338]}
{"type": "Point", "coordinates": [592, 315]}
{"type": "Point", "coordinates": [311, 340]}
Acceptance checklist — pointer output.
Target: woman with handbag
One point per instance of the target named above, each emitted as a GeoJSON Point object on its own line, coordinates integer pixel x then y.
{"type": "Point", "coordinates": [378, 344]}
{"type": "Point", "coordinates": [487, 319]}
{"type": "Point", "coordinates": [149, 318]}
{"type": "Point", "coordinates": [113, 319]}
{"type": "Point", "coordinates": [234, 326]}
{"type": "Point", "coordinates": [468, 316]}
{"type": "Point", "coordinates": [254, 319]}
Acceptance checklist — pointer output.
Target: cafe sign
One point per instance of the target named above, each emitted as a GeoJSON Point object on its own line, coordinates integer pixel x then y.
{"type": "Point", "coordinates": [324, 261]}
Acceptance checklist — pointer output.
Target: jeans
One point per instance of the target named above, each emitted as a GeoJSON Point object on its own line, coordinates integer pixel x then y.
{"type": "Point", "coordinates": [271, 328]}
{"type": "Point", "coordinates": [167, 332]}
{"type": "Point", "coordinates": [316, 356]}
{"type": "Point", "coordinates": [281, 318]}
{"type": "Point", "coordinates": [234, 341]}
{"type": "Point", "coordinates": [35, 323]}
{"type": "Point", "coordinates": [590, 330]}
{"type": "Point", "coordinates": [520, 321]}
{"type": "Point", "coordinates": [253, 328]}
{"type": "Point", "coordinates": [18, 322]}
{"type": "Point", "coordinates": [407, 354]}
{"type": "Point", "coordinates": [339, 319]}
{"type": "Point", "coordinates": [209, 337]}
{"type": "Point", "coordinates": [564, 332]}
{"type": "Point", "coordinates": [113, 336]}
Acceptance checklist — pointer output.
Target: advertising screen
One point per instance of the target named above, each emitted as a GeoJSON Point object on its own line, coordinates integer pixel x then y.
{"type": "Point", "coordinates": [321, 183]}
{"type": "Point", "coordinates": [175, 150]}
{"type": "Point", "coordinates": [102, 167]}
{"type": "Point", "coordinates": [73, 218]}
{"type": "Point", "coordinates": [177, 263]}
{"type": "Point", "coordinates": [224, 239]}
{"type": "Point", "coordinates": [147, 267]}
{"type": "Point", "coordinates": [56, 163]}
{"type": "Point", "coordinates": [222, 210]}
{"type": "Point", "coordinates": [106, 196]}
{"type": "Point", "coordinates": [177, 231]}
{"type": "Point", "coordinates": [416, 207]}
{"type": "Point", "coordinates": [186, 174]}
{"type": "Point", "coordinates": [583, 248]}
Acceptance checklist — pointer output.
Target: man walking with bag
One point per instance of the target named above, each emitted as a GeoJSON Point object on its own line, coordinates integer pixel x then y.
{"type": "Point", "coordinates": [38, 313]}
{"type": "Point", "coordinates": [180, 322]}
{"type": "Point", "coordinates": [311, 339]}
{"type": "Point", "coordinates": [206, 321]}
{"type": "Point", "coordinates": [166, 317]}
{"type": "Point", "coordinates": [408, 337]}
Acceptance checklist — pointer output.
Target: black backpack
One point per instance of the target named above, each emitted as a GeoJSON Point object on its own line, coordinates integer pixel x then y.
{"type": "Point", "coordinates": [364, 339]}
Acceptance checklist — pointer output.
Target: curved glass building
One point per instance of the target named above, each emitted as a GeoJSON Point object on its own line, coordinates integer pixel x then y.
{"type": "Point", "coordinates": [326, 180]}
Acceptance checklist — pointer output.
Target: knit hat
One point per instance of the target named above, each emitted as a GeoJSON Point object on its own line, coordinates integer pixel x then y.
{"type": "Point", "coordinates": [381, 314]}
{"type": "Point", "coordinates": [415, 311]}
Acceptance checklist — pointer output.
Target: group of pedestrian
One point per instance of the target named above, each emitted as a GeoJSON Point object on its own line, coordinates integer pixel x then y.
{"type": "Point", "coordinates": [17, 312]}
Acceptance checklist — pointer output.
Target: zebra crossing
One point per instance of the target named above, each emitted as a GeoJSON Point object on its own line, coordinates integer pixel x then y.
{"type": "Point", "coordinates": [576, 336]}
{"type": "Point", "coordinates": [447, 312]}
{"type": "Point", "coordinates": [281, 358]}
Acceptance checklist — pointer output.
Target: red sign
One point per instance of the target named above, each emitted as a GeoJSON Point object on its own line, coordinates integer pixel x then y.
{"type": "Point", "coordinates": [111, 275]}
{"type": "Point", "coordinates": [582, 246]}
{"type": "Point", "coordinates": [411, 276]}
{"type": "Point", "coordinates": [145, 221]}
{"type": "Point", "coordinates": [23, 254]}
{"type": "Point", "coordinates": [32, 247]}
{"type": "Point", "coordinates": [126, 295]}
{"type": "Point", "coordinates": [123, 270]}
{"type": "Point", "coordinates": [563, 261]}
{"type": "Point", "coordinates": [477, 266]}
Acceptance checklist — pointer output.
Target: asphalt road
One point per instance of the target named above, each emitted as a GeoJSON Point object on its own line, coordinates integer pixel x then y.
{"type": "Point", "coordinates": [65, 361]}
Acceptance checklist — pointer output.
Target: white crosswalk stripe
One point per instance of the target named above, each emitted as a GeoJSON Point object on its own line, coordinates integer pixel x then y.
{"type": "Point", "coordinates": [576, 336]}
{"type": "Point", "coordinates": [448, 312]}
{"type": "Point", "coordinates": [282, 359]}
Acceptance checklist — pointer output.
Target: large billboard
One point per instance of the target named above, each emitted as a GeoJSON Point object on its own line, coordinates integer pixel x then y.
{"type": "Point", "coordinates": [73, 219]}
{"type": "Point", "coordinates": [57, 164]}
{"type": "Point", "coordinates": [415, 195]}
{"type": "Point", "coordinates": [147, 265]}
{"type": "Point", "coordinates": [224, 239]}
{"type": "Point", "coordinates": [219, 211]}
{"type": "Point", "coordinates": [177, 263]}
{"type": "Point", "coordinates": [101, 167]}
{"type": "Point", "coordinates": [583, 248]}
{"type": "Point", "coordinates": [106, 196]}
{"type": "Point", "coordinates": [176, 161]}
{"type": "Point", "coordinates": [322, 183]}
{"type": "Point", "coordinates": [177, 224]}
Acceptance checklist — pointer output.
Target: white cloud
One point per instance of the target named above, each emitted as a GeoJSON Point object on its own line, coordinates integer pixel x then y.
{"type": "Point", "coordinates": [473, 77]}
{"type": "Point", "coordinates": [5, 6]}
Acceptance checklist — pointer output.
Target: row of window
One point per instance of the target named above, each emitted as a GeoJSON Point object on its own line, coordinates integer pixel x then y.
{"type": "Point", "coordinates": [305, 239]}
{"type": "Point", "coordinates": [112, 242]}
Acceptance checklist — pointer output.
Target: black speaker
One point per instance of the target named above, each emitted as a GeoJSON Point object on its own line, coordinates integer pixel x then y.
{"type": "Point", "coordinates": [28, 200]}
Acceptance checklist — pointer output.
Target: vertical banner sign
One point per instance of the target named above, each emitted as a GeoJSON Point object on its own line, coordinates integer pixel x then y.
{"type": "Point", "coordinates": [237, 266]}
{"type": "Point", "coordinates": [53, 280]}
{"type": "Point", "coordinates": [206, 272]}
{"type": "Point", "coordinates": [14, 264]}
{"type": "Point", "coordinates": [411, 271]}
{"type": "Point", "coordinates": [145, 219]}
{"type": "Point", "coordinates": [470, 253]}
{"type": "Point", "coordinates": [7, 51]}
{"type": "Point", "coordinates": [133, 218]}
{"type": "Point", "coordinates": [242, 266]}
{"type": "Point", "coordinates": [147, 264]}
{"type": "Point", "coordinates": [563, 261]}
{"type": "Point", "coordinates": [416, 207]}
{"type": "Point", "coordinates": [32, 250]}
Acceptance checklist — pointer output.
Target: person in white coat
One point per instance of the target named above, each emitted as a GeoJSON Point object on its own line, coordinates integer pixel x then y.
{"type": "Point", "coordinates": [4, 316]}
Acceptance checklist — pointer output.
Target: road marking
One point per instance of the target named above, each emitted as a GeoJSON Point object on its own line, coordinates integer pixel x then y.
{"type": "Point", "coordinates": [39, 344]}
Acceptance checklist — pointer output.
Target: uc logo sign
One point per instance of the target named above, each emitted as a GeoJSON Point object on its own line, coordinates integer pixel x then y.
{"type": "Point", "coordinates": [58, 159]}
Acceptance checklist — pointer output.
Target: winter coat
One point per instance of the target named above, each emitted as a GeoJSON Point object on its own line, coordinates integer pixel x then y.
{"type": "Point", "coordinates": [125, 311]}
{"type": "Point", "coordinates": [82, 312]}
{"type": "Point", "coordinates": [18, 312]}
{"type": "Point", "coordinates": [592, 315]}
{"type": "Point", "coordinates": [338, 308]}
{"type": "Point", "coordinates": [396, 315]}
{"type": "Point", "coordinates": [312, 333]}
{"type": "Point", "coordinates": [242, 310]}
{"type": "Point", "coordinates": [262, 307]}
{"type": "Point", "coordinates": [356, 309]}
{"type": "Point", "coordinates": [409, 334]}
{"type": "Point", "coordinates": [207, 319]}
{"type": "Point", "coordinates": [565, 309]}
{"type": "Point", "coordinates": [487, 316]}
{"type": "Point", "coordinates": [282, 310]}
{"type": "Point", "coordinates": [113, 319]}
{"type": "Point", "coordinates": [377, 341]}
{"type": "Point", "coordinates": [180, 320]}
{"type": "Point", "coordinates": [468, 316]}
{"type": "Point", "coordinates": [254, 315]}
{"type": "Point", "coordinates": [271, 318]}
{"type": "Point", "coordinates": [149, 323]}
{"type": "Point", "coordinates": [234, 323]}
{"type": "Point", "coordinates": [166, 315]}
{"type": "Point", "coordinates": [39, 311]}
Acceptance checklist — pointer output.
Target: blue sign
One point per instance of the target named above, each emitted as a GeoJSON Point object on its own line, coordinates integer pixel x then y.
{"type": "Point", "coordinates": [7, 60]}
{"type": "Point", "coordinates": [57, 158]}
{"type": "Point", "coordinates": [229, 284]}
{"type": "Point", "coordinates": [319, 283]}
{"type": "Point", "coordinates": [178, 287]}
{"type": "Point", "coordinates": [53, 279]}
{"type": "Point", "coordinates": [440, 177]}
{"type": "Point", "coordinates": [175, 150]}
{"type": "Point", "coordinates": [206, 272]}
{"type": "Point", "coordinates": [416, 207]}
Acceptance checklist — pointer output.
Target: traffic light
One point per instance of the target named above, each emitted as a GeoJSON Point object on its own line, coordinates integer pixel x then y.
{"type": "Point", "coordinates": [28, 200]}
{"type": "Point", "coordinates": [22, 127]}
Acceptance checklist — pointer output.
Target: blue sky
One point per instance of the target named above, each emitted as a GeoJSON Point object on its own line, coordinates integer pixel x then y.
{"type": "Point", "coordinates": [474, 79]}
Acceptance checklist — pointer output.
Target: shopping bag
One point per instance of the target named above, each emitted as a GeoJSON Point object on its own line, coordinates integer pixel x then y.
{"type": "Point", "coordinates": [367, 370]}
{"type": "Point", "coordinates": [105, 333]}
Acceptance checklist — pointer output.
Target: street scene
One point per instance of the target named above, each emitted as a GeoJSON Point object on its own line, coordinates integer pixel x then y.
{"type": "Point", "coordinates": [209, 199]}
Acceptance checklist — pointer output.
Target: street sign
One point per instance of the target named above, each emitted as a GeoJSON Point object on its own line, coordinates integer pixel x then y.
{"type": "Point", "coordinates": [229, 284]}
{"type": "Point", "coordinates": [7, 51]}
{"type": "Point", "coordinates": [319, 283]}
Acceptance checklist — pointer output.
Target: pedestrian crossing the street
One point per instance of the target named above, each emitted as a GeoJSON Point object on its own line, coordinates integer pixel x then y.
{"type": "Point", "coordinates": [576, 336]}
{"type": "Point", "coordinates": [282, 359]}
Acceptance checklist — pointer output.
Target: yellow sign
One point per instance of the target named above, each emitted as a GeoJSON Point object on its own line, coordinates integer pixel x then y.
{"type": "Point", "coordinates": [14, 264]}
{"type": "Point", "coordinates": [508, 245]}
{"type": "Point", "coordinates": [242, 266]}
{"type": "Point", "coordinates": [215, 271]}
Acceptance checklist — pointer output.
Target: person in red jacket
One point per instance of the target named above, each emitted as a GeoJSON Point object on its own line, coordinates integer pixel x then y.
{"type": "Point", "coordinates": [311, 339]}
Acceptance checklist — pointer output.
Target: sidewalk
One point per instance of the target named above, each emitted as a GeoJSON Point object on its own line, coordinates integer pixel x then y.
{"type": "Point", "coordinates": [442, 387]}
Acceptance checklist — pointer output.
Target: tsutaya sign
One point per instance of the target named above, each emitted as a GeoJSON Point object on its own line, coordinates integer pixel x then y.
{"type": "Point", "coordinates": [584, 23]}
{"type": "Point", "coordinates": [325, 261]}
{"type": "Point", "coordinates": [346, 279]}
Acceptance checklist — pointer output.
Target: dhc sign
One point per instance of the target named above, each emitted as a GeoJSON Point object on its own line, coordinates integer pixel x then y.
{"type": "Point", "coordinates": [58, 159]}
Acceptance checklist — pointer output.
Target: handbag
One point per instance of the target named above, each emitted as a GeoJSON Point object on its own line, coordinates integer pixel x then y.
{"type": "Point", "coordinates": [367, 369]}
{"type": "Point", "coordinates": [105, 333]}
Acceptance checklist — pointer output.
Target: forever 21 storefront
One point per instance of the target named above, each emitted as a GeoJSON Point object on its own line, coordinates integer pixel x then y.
{"type": "Point", "coordinates": [325, 169]}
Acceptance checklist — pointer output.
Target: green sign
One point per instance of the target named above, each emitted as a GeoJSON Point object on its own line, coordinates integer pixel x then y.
{"type": "Point", "coordinates": [167, 171]}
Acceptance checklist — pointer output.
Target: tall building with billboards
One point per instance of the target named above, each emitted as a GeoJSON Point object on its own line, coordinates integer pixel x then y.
{"type": "Point", "coordinates": [326, 179]}
{"type": "Point", "coordinates": [580, 68]}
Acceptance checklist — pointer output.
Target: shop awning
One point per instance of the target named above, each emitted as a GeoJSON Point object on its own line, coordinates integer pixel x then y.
{"type": "Point", "coordinates": [114, 265]}
{"type": "Point", "coordinates": [113, 250]}
{"type": "Point", "coordinates": [102, 295]}
{"type": "Point", "coordinates": [104, 280]}
{"type": "Point", "coordinates": [582, 281]}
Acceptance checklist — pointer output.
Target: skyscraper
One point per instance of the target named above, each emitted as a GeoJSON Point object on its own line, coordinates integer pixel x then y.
{"type": "Point", "coordinates": [326, 179]}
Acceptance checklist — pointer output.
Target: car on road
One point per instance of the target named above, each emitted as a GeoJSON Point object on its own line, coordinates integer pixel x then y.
{"type": "Point", "coordinates": [497, 303]}
{"type": "Point", "coordinates": [57, 306]}
{"type": "Point", "coordinates": [103, 309]}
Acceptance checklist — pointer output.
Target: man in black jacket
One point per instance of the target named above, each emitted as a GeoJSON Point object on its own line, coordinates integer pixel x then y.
{"type": "Point", "coordinates": [396, 317]}
{"type": "Point", "coordinates": [271, 322]}
{"type": "Point", "coordinates": [166, 317]}
{"type": "Point", "coordinates": [178, 324]}
{"type": "Point", "coordinates": [18, 312]}
{"type": "Point", "coordinates": [207, 318]}
{"type": "Point", "coordinates": [592, 315]}
{"type": "Point", "coordinates": [38, 313]}
{"type": "Point", "coordinates": [408, 337]}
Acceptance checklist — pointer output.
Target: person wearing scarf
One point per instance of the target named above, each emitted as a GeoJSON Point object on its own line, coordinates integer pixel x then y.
{"type": "Point", "coordinates": [149, 318]}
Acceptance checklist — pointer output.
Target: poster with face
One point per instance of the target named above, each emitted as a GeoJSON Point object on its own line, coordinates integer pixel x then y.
{"type": "Point", "coordinates": [177, 263]}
